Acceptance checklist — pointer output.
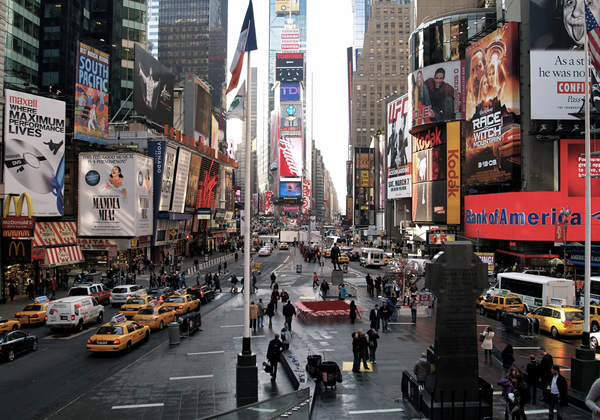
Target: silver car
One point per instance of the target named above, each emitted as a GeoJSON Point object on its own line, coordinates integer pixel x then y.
{"type": "Point", "coordinates": [120, 294]}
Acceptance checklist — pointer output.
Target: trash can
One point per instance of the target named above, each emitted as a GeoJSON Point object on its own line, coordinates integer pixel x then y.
{"type": "Point", "coordinates": [190, 323]}
{"type": "Point", "coordinates": [328, 370]}
{"type": "Point", "coordinates": [299, 268]}
{"type": "Point", "coordinates": [345, 268]}
{"type": "Point", "coordinates": [313, 367]}
{"type": "Point", "coordinates": [174, 333]}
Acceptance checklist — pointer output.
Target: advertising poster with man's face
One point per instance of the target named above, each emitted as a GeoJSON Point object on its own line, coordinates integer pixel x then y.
{"type": "Point", "coordinates": [437, 93]}
{"type": "Point", "coordinates": [493, 132]}
{"type": "Point", "coordinates": [91, 95]}
{"type": "Point", "coordinates": [115, 194]}
{"type": "Point", "coordinates": [557, 58]}
{"type": "Point", "coordinates": [34, 150]}
{"type": "Point", "coordinates": [181, 178]}
{"type": "Point", "coordinates": [398, 148]}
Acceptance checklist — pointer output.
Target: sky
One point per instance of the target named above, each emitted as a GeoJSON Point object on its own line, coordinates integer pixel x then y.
{"type": "Point", "coordinates": [329, 34]}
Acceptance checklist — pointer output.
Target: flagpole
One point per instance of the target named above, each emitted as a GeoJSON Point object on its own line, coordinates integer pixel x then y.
{"type": "Point", "coordinates": [246, 347]}
{"type": "Point", "coordinates": [588, 207]}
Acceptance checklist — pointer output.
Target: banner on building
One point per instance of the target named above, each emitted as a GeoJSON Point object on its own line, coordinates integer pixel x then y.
{"type": "Point", "coordinates": [165, 158]}
{"type": "Point", "coordinates": [34, 150]}
{"type": "Point", "coordinates": [181, 178]}
{"type": "Point", "coordinates": [290, 157]}
{"type": "Point", "coordinates": [306, 196]}
{"type": "Point", "coordinates": [191, 195]}
{"type": "Point", "coordinates": [399, 148]}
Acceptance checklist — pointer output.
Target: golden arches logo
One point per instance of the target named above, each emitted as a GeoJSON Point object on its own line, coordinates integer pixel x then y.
{"type": "Point", "coordinates": [14, 247]}
{"type": "Point", "coordinates": [18, 204]}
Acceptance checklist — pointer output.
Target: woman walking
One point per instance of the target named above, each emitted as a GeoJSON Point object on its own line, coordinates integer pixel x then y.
{"type": "Point", "coordinates": [487, 345]}
{"type": "Point", "coordinates": [352, 312]}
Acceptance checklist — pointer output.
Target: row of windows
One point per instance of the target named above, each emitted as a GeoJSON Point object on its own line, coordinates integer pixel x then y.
{"type": "Point", "coordinates": [32, 6]}
{"type": "Point", "coordinates": [24, 24]}
{"type": "Point", "coordinates": [15, 70]}
{"type": "Point", "coordinates": [21, 47]}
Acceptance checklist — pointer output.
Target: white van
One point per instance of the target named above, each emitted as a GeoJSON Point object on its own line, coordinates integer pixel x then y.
{"type": "Point", "coordinates": [73, 312]}
{"type": "Point", "coordinates": [371, 257]}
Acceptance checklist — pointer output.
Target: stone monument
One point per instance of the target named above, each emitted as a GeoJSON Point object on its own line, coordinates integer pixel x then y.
{"type": "Point", "coordinates": [454, 390]}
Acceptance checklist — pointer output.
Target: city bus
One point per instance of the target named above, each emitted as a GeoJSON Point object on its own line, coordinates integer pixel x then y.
{"type": "Point", "coordinates": [536, 291]}
{"type": "Point", "coordinates": [594, 291]}
{"type": "Point", "coordinates": [371, 257]}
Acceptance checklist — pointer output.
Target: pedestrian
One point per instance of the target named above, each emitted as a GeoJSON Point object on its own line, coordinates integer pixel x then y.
{"type": "Point", "coordinates": [275, 297]}
{"type": "Point", "coordinates": [523, 398]}
{"type": "Point", "coordinates": [270, 312]}
{"type": "Point", "coordinates": [422, 369]}
{"type": "Point", "coordinates": [273, 355]}
{"type": "Point", "coordinates": [373, 337]}
{"type": "Point", "coordinates": [545, 371]}
{"type": "Point", "coordinates": [182, 280]}
{"type": "Point", "coordinates": [219, 268]}
{"type": "Point", "coordinates": [370, 285]}
{"type": "Point", "coordinates": [364, 349]}
{"type": "Point", "coordinates": [414, 305]}
{"type": "Point", "coordinates": [356, 352]}
{"type": "Point", "coordinates": [289, 312]}
{"type": "Point", "coordinates": [254, 288]}
{"type": "Point", "coordinates": [391, 301]}
{"type": "Point", "coordinates": [261, 314]}
{"type": "Point", "coordinates": [217, 282]}
{"type": "Point", "coordinates": [30, 290]}
{"type": "Point", "coordinates": [592, 400]}
{"type": "Point", "coordinates": [533, 376]}
{"type": "Point", "coordinates": [197, 278]}
{"type": "Point", "coordinates": [507, 394]}
{"type": "Point", "coordinates": [385, 313]}
{"type": "Point", "coordinates": [487, 344]}
{"type": "Point", "coordinates": [11, 290]}
{"type": "Point", "coordinates": [286, 336]}
{"type": "Point", "coordinates": [284, 296]}
{"type": "Point", "coordinates": [508, 358]}
{"type": "Point", "coordinates": [196, 264]}
{"type": "Point", "coordinates": [342, 292]}
{"type": "Point", "coordinates": [324, 288]}
{"type": "Point", "coordinates": [234, 282]}
{"type": "Point", "coordinates": [352, 312]}
{"type": "Point", "coordinates": [378, 285]}
{"type": "Point", "coordinates": [374, 317]}
{"type": "Point", "coordinates": [273, 279]}
{"type": "Point", "coordinates": [315, 280]}
{"type": "Point", "coordinates": [388, 288]}
{"type": "Point", "coordinates": [253, 315]}
{"type": "Point", "coordinates": [557, 393]}
{"type": "Point", "coordinates": [225, 267]}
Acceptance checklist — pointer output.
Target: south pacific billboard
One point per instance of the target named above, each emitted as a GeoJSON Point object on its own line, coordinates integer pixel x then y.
{"type": "Point", "coordinates": [493, 130]}
{"type": "Point", "coordinates": [115, 194]}
{"type": "Point", "coordinates": [34, 150]}
{"type": "Point", "coordinates": [91, 95]}
{"type": "Point", "coordinates": [399, 148]}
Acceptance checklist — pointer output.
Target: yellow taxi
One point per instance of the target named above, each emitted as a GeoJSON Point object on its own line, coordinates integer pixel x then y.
{"type": "Point", "coordinates": [284, 245]}
{"type": "Point", "coordinates": [34, 313]}
{"type": "Point", "coordinates": [500, 305]}
{"type": "Point", "coordinates": [328, 253]}
{"type": "Point", "coordinates": [9, 324]}
{"type": "Point", "coordinates": [118, 335]}
{"type": "Point", "coordinates": [183, 303]}
{"type": "Point", "coordinates": [594, 318]}
{"type": "Point", "coordinates": [559, 320]}
{"type": "Point", "coordinates": [134, 304]}
{"type": "Point", "coordinates": [343, 258]}
{"type": "Point", "coordinates": [387, 258]}
{"type": "Point", "coordinates": [155, 316]}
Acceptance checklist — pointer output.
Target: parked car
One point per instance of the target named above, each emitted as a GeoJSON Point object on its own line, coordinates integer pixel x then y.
{"type": "Point", "coordinates": [204, 293]}
{"type": "Point", "coordinates": [9, 324]}
{"type": "Point", "coordinates": [559, 320]}
{"type": "Point", "coordinates": [120, 294]}
{"type": "Point", "coordinates": [16, 342]}
{"type": "Point", "coordinates": [96, 290]}
{"type": "Point", "coordinates": [499, 305]}
{"type": "Point", "coordinates": [34, 313]}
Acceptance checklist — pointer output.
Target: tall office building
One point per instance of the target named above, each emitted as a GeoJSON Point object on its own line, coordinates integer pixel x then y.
{"type": "Point", "coordinates": [153, 10]}
{"type": "Point", "coordinates": [192, 38]}
{"type": "Point", "coordinates": [21, 65]}
{"type": "Point", "coordinates": [361, 24]}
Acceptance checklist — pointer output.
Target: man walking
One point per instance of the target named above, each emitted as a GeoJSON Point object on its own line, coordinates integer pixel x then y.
{"type": "Point", "coordinates": [324, 289]}
{"type": "Point", "coordinates": [273, 278]}
{"type": "Point", "coordinates": [385, 315]}
{"type": "Point", "coordinates": [273, 354]}
{"type": "Point", "coordinates": [374, 317]}
{"type": "Point", "coordinates": [558, 394]}
{"type": "Point", "coordinates": [289, 311]}
{"type": "Point", "coordinates": [414, 305]}
{"type": "Point", "coordinates": [545, 371]}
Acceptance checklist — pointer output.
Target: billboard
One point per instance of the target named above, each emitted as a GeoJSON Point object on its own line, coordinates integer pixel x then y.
{"type": "Point", "coordinates": [91, 95]}
{"type": "Point", "coordinates": [437, 93]}
{"type": "Point", "coordinates": [306, 194]}
{"type": "Point", "coordinates": [164, 172]}
{"type": "Point", "coordinates": [115, 194]}
{"type": "Point", "coordinates": [286, 7]}
{"type": "Point", "coordinates": [290, 189]}
{"type": "Point", "coordinates": [290, 39]}
{"type": "Point", "coordinates": [399, 148]}
{"type": "Point", "coordinates": [191, 194]}
{"type": "Point", "coordinates": [572, 172]}
{"type": "Point", "coordinates": [291, 119]}
{"type": "Point", "coordinates": [493, 130]}
{"type": "Point", "coordinates": [557, 59]}
{"type": "Point", "coordinates": [153, 88]}
{"type": "Point", "coordinates": [197, 105]}
{"type": "Point", "coordinates": [181, 178]}
{"type": "Point", "coordinates": [289, 92]}
{"type": "Point", "coordinates": [34, 150]}
{"type": "Point", "coordinates": [289, 67]}
{"type": "Point", "coordinates": [290, 157]}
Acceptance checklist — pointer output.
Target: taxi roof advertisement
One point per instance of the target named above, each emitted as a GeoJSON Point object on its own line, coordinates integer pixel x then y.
{"type": "Point", "coordinates": [493, 130]}
{"type": "Point", "coordinates": [115, 194]}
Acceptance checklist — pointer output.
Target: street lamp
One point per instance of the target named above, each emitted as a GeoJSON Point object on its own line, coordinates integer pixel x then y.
{"type": "Point", "coordinates": [565, 214]}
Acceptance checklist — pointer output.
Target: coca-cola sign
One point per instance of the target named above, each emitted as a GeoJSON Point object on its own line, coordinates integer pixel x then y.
{"type": "Point", "coordinates": [290, 157]}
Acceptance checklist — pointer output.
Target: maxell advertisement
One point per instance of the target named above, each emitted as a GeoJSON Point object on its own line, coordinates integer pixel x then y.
{"type": "Point", "coordinates": [557, 59]}
{"type": "Point", "coordinates": [34, 150]}
{"type": "Point", "coordinates": [289, 67]}
{"type": "Point", "coordinates": [399, 148]}
{"type": "Point", "coordinates": [91, 95]}
{"type": "Point", "coordinates": [493, 130]}
{"type": "Point", "coordinates": [437, 93]}
{"type": "Point", "coordinates": [181, 178]}
{"type": "Point", "coordinates": [153, 89]}
{"type": "Point", "coordinates": [290, 157]}
{"type": "Point", "coordinates": [115, 194]}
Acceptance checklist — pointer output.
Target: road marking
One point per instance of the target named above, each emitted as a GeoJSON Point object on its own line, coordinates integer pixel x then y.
{"type": "Point", "coordinates": [252, 336]}
{"type": "Point", "coordinates": [231, 326]}
{"type": "Point", "coordinates": [307, 298]}
{"type": "Point", "coordinates": [182, 378]}
{"type": "Point", "coordinates": [379, 410]}
{"type": "Point", "coordinates": [347, 367]}
{"type": "Point", "coordinates": [122, 407]}
{"type": "Point", "coordinates": [65, 336]}
{"type": "Point", "coordinates": [206, 352]}
{"type": "Point", "coordinates": [526, 348]}
{"type": "Point", "coordinates": [538, 411]}
{"type": "Point", "coordinates": [400, 323]}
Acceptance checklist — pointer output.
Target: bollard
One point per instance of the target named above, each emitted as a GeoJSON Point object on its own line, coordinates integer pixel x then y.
{"type": "Point", "coordinates": [174, 333]}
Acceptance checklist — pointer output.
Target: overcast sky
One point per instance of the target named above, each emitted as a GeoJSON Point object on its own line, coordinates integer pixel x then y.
{"type": "Point", "coordinates": [329, 35]}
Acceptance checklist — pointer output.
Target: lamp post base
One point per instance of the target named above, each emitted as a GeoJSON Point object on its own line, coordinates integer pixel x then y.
{"type": "Point", "coordinates": [246, 379]}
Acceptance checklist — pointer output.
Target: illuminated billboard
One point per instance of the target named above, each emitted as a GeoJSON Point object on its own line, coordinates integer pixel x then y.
{"type": "Point", "coordinates": [289, 67]}
{"type": "Point", "coordinates": [493, 130]}
{"type": "Point", "coordinates": [153, 88]}
{"type": "Point", "coordinates": [291, 119]}
{"type": "Point", "coordinates": [437, 93]}
{"type": "Point", "coordinates": [290, 189]}
{"type": "Point", "coordinates": [289, 92]}
{"type": "Point", "coordinates": [285, 7]}
{"type": "Point", "coordinates": [399, 148]}
{"type": "Point", "coordinates": [197, 105]}
{"type": "Point", "coordinates": [290, 157]}
{"type": "Point", "coordinates": [91, 95]}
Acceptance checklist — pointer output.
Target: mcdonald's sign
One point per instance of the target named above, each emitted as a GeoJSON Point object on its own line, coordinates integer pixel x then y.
{"type": "Point", "coordinates": [18, 226]}
{"type": "Point", "coordinates": [16, 251]}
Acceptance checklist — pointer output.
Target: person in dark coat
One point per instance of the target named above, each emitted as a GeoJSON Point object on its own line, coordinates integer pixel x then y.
{"type": "Point", "coordinates": [374, 317]}
{"type": "Point", "coordinates": [11, 290]}
{"type": "Point", "coordinates": [533, 376]}
{"type": "Point", "coordinates": [356, 352]}
{"type": "Point", "coordinates": [275, 297]}
{"type": "Point", "coordinates": [335, 255]}
{"type": "Point", "coordinates": [545, 371]}
{"type": "Point", "coordinates": [508, 358]}
{"type": "Point", "coordinates": [352, 312]}
{"type": "Point", "coordinates": [557, 393]}
{"type": "Point", "coordinates": [289, 311]}
{"type": "Point", "coordinates": [284, 296]}
{"type": "Point", "coordinates": [373, 337]}
{"type": "Point", "coordinates": [273, 354]}
{"type": "Point", "coordinates": [271, 312]}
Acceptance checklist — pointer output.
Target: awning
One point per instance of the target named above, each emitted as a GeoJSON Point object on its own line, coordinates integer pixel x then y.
{"type": "Point", "coordinates": [63, 255]}
{"type": "Point", "coordinates": [520, 255]}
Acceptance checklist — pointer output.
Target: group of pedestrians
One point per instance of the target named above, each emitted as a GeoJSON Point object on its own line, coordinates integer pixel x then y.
{"type": "Point", "coordinates": [364, 346]}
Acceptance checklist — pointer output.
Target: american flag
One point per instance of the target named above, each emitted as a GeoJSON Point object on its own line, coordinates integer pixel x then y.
{"type": "Point", "coordinates": [593, 31]}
